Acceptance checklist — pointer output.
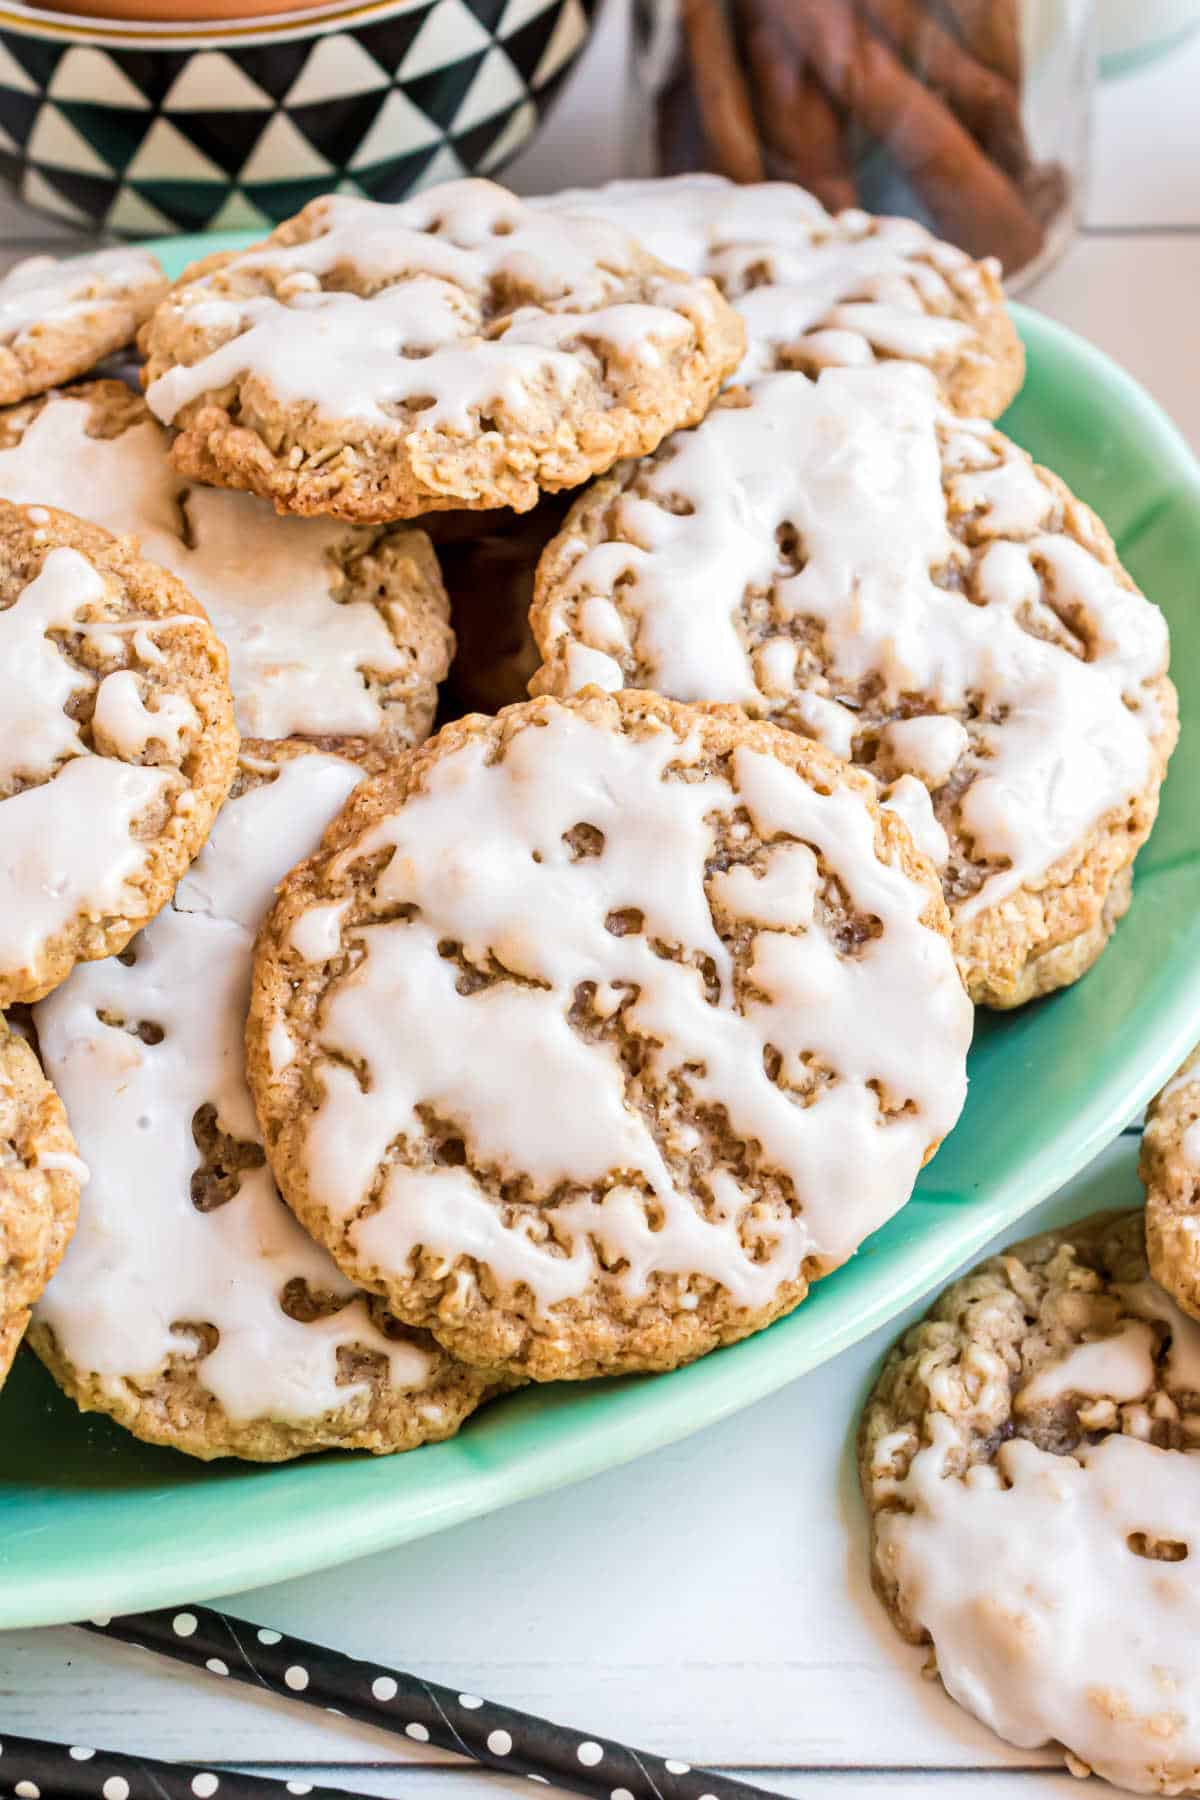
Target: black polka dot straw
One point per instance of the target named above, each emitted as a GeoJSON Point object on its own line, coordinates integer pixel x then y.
{"type": "Point", "coordinates": [408, 1706]}
{"type": "Point", "coordinates": [36, 1771]}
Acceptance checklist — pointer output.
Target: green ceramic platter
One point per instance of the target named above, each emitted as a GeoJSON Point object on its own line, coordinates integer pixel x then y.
{"type": "Point", "coordinates": [91, 1521]}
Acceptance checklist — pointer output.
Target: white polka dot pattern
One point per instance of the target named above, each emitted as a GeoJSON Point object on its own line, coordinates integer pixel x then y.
{"type": "Point", "coordinates": [326, 1679]}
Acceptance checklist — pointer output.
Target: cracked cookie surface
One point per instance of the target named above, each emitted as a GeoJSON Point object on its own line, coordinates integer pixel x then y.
{"type": "Point", "coordinates": [595, 1032]}
{"type": "Point", "coordinates": [456, 350]}
{"type": "Point", "coordinates": [117, 743]}
{"type": "Point", "coordinates": [332, 631]}
{"type": "Point", "coordinates": [1030, 1458]}
{"type": "Point", "coordinates": [191, 1306]}
{"type": "Point", "coordinates": [850, 560]}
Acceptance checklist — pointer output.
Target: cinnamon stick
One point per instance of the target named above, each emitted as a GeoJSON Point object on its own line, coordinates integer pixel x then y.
{"type": "Point", "coordinates": [972, 201]}
{"type": "Point", "coordinates": [679, 129]}
{"type": "Point", "coordinates": [984, 101]}
{"type": "Point", "coordinates": [721, 91]}
{"type": "Point", "coordinates": [804, 133]}
{"type": "Point", "coordinates": [991, 31]}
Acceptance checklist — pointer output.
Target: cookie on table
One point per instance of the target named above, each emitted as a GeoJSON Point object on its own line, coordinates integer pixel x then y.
{"type": "Point", "coordinates": [817, 290]}
{"type": "Point", "coordinates": [456, 350]}
{"type": "Point", "coordinates": [596, 1032]}
{"type": "Point", "coordinates": [191, 1306]}
{"type": "Point", "coordinates": [117, 743]}
{"type": "Point", "coordinates": [40, 1175]}
{"type": "Point", "coordinates": [488, 565]}
{"type": "Point", "coordinates": [1170, 1172]}
{"type": "Point", "coordinates": [58, 319]}
{"type": "Point", "coordinates": [847, 558]}
{"type": "Point", "coordinates": [332, 631]}
{"type": "Point", "coordinates": [1030, 1459]}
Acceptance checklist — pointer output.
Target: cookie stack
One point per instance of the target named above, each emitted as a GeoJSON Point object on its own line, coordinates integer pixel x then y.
{"type": "Point", "coordinates": [585, 1035]}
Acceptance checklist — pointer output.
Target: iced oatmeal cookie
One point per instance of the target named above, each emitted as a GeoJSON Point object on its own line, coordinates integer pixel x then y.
{"type": "Point", "coordinates": [40, 1173]}
{"type": "Point", "coordinates": [458, 349]}
{"type": "Point", "coordinates": [117, 743]}
{"type": "Point", "coordinates": [596, 1032]}
{"type": "Point", "coordinates": [57, 319]}
{"type": "Point", "coordinates": [1170, 1171]}
{"type": "Point", "coordinates": [332, 631]}
{"type": "Point", "coordinates": [847, 558]}
{"type": "Point", "coordinates": [191, 1306]}
{"type": "Point", "coordinates": [816, 289]}
{"type": "Point", "coordinates": [1030, 1461]}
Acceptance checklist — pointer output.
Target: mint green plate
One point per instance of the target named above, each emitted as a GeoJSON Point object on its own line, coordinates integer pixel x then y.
{"type": "Point", "coordinates": [93, 1522]}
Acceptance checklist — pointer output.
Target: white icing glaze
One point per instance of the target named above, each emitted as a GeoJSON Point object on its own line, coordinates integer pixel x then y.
{"type": "Point", "coordinates": [928, 747]}
{"type": "Point", "coordinates": [67, 847]}
{"type": "Point", "coordinates": [1119, 1367]}
{"type": "Point", "coordinates": [298, 657]}
{"type": "Point", "coordinates": [853, 464]}
{"type": "Point", "coordinates": [481, 855]}
{"type": "Point", "coordinates": [123, 723]}
{"type": "Point", "coordinates": [910, 801]}
{"type": "Point", "coordinates": [67, 843]}
{"type": "Point", "coordinates": [144, 1261]}
{"type": "Point", "coordinates": [1046, 1623]}
{"type": "Point", "coordinates": [426, 330]}
{"type": "Point", "coordinates": [1149, 1301]}
{"type": "Point", "coordinates": [837, 290]}
{"type": "Point", "coordinates": [42, 290]}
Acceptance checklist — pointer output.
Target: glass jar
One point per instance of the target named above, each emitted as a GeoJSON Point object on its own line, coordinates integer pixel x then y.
{"type": "Point", "coordinates": [969, 115]}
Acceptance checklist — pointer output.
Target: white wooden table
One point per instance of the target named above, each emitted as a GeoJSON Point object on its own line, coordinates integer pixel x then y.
{"type": "Point", "coordinates": [711, 1601]}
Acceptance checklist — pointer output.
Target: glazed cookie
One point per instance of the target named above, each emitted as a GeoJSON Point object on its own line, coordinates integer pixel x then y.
{"type": "Point", "coordinates": [815, 290]}
{"type": "Point", "coordinates": [459, 349]}
{"type": "Point", "coordinates": [57, 319]}
{"type": "Point", "coordinates": [847, 558]}
{"type": "Point", "coordinates": [332, 631]}
{"type": "Point", "coordinates": [596, 1032]}
{"type": "Point", "coordinates": [191, 1306]}
{"type": "Point", "coordinates": [1030, 1459]}
{"type": "Point", "coordinates": [117, 743]}
{"type": "Point", "coordinates": [1170, 1171]}
{"type": "Point", "coordinates": [488, 566]}
{"type": "Point", "coordinates": [40, 1175]}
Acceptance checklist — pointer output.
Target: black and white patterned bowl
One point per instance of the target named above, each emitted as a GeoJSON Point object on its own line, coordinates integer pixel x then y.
{"type": "Point", "coordinates": [144, 129]}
